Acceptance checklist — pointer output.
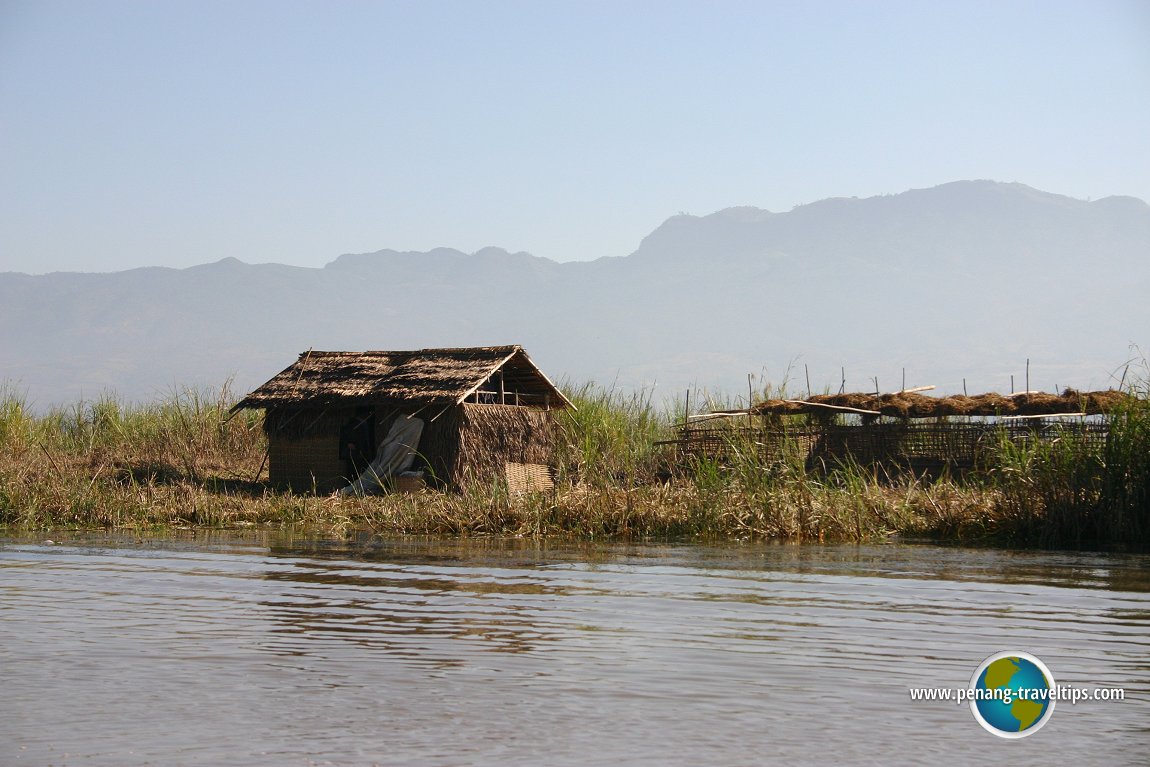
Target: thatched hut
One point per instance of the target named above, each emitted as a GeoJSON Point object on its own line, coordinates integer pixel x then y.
{"type": "Point", "coordinates": [485, 414]}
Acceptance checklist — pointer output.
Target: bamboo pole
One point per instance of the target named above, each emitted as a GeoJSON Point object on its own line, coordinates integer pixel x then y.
{"type": "Point", "coordinates": [717, 414]}
{"type": "Point", "coordinates": [914, 389]}
{"type": "Point", "coordinates": [1046, 415]}
{"type": "Point", "coordinates": [831, 407]}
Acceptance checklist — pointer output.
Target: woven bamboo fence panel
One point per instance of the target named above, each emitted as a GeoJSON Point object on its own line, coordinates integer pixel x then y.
{"type": "Point", "coordinates": [959, 444]}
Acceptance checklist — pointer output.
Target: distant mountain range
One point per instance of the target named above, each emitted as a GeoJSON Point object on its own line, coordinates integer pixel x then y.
{"type": "Point", "coordinates": [962, 281]}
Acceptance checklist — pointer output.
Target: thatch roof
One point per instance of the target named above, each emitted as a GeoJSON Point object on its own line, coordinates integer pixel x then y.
{"type": "Point", "coordinates": [422, 377]}
{"type": "Point", "coordinates": [914, 405]}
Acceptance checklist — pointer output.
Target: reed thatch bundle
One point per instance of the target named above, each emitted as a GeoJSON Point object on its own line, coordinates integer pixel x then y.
{"type": "Point", "coordinates": [490, 436]}
{"type": "Point", "coordinates": [915, 405]}
{"type": "Point", "coordinates": [472, 444]}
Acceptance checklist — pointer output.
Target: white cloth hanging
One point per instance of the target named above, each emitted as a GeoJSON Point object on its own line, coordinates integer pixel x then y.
{"type": "Point", "coordinates": [395, 455]}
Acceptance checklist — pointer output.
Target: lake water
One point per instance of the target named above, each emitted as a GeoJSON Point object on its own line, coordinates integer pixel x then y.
{"type": "Point", "coordinates": [272, 650]}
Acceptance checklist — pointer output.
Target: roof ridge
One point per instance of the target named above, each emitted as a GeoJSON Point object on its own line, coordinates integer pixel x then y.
{"type": "Point", "coordinates": [502, 348]}
{"type": "Point", "coordinates": [441, 375]}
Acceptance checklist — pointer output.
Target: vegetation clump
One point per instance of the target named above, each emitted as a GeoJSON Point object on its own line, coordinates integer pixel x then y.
{"type": "Point", "coordinates": [184, 462]}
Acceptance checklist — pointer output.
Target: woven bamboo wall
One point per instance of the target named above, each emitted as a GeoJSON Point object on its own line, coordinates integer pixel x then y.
{"type": "Point", "coordinates": [464, 445]}
{"type": "Point", "coordinates": [303, 448]}
{"type": "Point", "coordinates": [306, 462]}
{"type": "Point", "coordinates": [294, 423]}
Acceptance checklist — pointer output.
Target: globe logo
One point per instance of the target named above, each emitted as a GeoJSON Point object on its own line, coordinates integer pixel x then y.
{"type": "Point", "coordinates": [1013, 694]}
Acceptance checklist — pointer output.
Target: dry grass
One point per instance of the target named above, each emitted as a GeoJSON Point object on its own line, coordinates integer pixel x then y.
{"type": "Point", "coordinates": [185, 463]}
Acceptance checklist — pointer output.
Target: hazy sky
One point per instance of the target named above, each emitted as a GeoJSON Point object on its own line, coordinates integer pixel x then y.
{"type": "Point", "coordinates": [176, 133]}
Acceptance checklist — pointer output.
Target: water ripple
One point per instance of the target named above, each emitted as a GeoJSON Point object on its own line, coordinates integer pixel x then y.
{"type": "Point", "coordinates": [279, 652]}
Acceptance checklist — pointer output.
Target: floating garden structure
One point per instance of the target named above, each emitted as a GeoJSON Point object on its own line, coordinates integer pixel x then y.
{"type": "Point", "coordinates": [904, 430]}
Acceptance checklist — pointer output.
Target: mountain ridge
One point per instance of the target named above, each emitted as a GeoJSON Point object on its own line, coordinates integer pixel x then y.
{"type": "Point", "coordinates": [965, 280]}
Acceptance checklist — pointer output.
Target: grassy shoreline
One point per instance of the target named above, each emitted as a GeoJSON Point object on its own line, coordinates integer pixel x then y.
{"type": "Point", "coordinates": [182, 463]}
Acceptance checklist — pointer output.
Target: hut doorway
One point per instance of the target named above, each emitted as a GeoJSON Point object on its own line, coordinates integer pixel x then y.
{"type": "Point", "coordinates": [357, 441]}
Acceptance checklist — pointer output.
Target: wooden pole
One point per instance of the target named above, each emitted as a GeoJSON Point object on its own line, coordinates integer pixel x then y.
{"type": "Point", "coordinates": [808, 372]}
{"type": "Point", "coordinates": [750, 400]}
{"type": "Point", "coordinates": [263, 463]}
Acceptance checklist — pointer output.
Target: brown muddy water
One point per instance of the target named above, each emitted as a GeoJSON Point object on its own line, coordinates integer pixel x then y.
{"type": "Point", "coordinates": [266, 649]}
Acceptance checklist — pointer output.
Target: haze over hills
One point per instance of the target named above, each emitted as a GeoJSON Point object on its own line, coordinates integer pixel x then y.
{"type": "Point", "coordinates": [964, 280]}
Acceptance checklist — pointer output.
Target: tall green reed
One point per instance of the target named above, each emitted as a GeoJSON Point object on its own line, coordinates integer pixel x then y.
{"type": "Point", "coordinates": [1073, 491]}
